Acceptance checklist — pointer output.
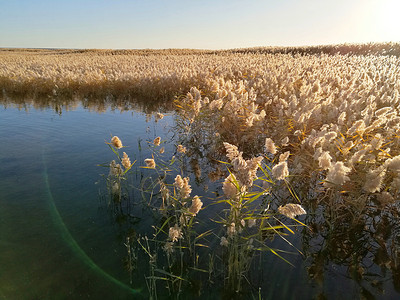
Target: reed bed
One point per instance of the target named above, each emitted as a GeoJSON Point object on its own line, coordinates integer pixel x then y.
{"type": "Point", "coordinates": [333, 116]}
{"type": "Point", "coordinates": [284, 130]}
{"type": "Point", "coordinates": [152, 74]}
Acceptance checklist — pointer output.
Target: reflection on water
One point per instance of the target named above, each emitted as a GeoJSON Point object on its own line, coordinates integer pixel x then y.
{"type": "Point", "coordinates": [357, 239]}
{"type": "Point", "coordinates": [61, 238]}
{"type": "Point", "coordinates": [93, 104]}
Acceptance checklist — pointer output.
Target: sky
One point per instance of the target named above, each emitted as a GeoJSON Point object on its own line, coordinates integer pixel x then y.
{"type": "Point", "coordinates": [195, 24]}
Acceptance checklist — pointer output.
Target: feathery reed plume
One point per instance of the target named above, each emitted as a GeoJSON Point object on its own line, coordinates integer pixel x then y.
{"type": "Point", "coordinates": [231, 229]}
{"type": "Point", "coordinates": [115, 169]}
{"type": "Point", "coordinates": [231, 151]}
{"type": "Point", "coordinates": [196, 205]}
{"type": "Point", "coordinates": [181, 149]}
{"type": "Point", "coordinates": [150, 163]}
{"type": "Point", "coordinates": [393, 164]}
{"type": "Point", "coordinates": [337, 174]}
{"type": "Point", "coordinates": [324, 160]}
{"type": "Point", "coordinates": [229, 187]}
{"type": "Point", "coordinates": [157, 141]}
{"type": "Point", "coordinates": [178, 182]}
{"type": "Point", "coordinates": [126, 162]}
{"type": "Point", "coordinates": [270, 146]}
{"type": "Point", "coordinates": [280, 171]}
{"type": "Point", "coordinates": [116, 142]}
{"type": "Point", "coordinates": [285, 141]}
{"type": "Point", "coordinates": [175, 233]}
{"type": "Point", "coordinates": [168, 247]}
{"type": "Point", "coordinates": [374, 180]}
{"type": "Point", "coordinates": [291, 210]}
{"type": "Point", "coordinates": [284, 156]}
{"type": "Point", "coordinates": [159, 116]}
{"type": "Point", "coordinates": [182, 184]}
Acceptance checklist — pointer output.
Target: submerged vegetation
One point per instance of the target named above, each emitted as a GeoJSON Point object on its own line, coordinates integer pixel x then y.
{"type": "Point", "coordinates": [282, 131]}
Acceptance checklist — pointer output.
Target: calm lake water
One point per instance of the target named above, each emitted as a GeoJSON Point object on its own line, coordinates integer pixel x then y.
{"type": "Point", "coordinates": [59, 238]}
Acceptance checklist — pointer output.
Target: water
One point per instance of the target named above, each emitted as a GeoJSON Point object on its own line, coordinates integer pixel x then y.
{"type": "Point", "coordinates": [59, 238]}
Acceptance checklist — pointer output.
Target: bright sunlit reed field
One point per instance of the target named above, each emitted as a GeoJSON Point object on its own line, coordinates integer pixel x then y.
{"type": "Point", "coordinates": [154, 74]}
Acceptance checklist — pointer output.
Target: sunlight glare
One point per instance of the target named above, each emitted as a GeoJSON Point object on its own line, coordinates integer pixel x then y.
{"type": "Point", "coordinates": [387, 24]}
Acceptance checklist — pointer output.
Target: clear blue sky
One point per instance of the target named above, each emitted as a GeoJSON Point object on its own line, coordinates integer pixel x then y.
{"type": "Point", "coordinates": [200, 24]}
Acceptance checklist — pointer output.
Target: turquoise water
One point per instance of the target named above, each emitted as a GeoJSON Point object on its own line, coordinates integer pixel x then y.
{"type": "Point", "coordinates": [59, 238]}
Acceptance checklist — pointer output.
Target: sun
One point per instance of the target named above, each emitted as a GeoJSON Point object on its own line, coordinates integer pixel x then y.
{"type": "Point", "coordinates": [386, 24]}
